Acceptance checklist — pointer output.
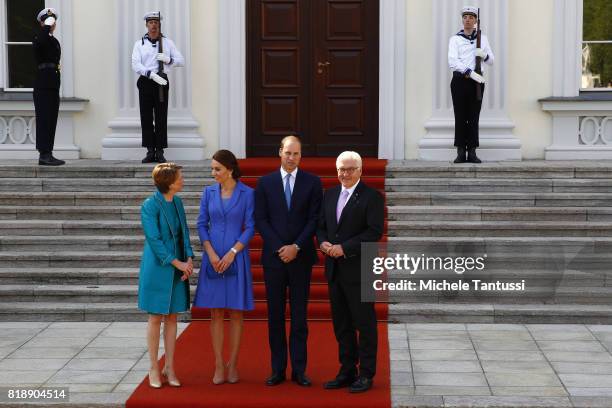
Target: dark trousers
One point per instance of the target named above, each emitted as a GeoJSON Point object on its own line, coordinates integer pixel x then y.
{"type": "Point", "coordinates": [152, 110]}
{"type": "Point", "coordinates": [297, 279]}
{"type": "Point", "coordinates": [46, 105]}
{"type": "Point", "coordinates": [467, 111]}
{"type": "Point", "coordinates": [350, 317]}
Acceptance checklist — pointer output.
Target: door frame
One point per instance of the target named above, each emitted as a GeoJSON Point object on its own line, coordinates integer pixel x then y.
{"type": "Point", "coordinates": [392, 69]}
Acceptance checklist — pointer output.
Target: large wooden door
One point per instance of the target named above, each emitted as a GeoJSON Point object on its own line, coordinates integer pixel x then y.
{"type": "Point", "coordinates": [312, 70]}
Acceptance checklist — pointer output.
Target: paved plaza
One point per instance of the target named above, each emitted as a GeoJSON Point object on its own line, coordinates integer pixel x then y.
{"type": "Point", "coordinates": [432, 365]}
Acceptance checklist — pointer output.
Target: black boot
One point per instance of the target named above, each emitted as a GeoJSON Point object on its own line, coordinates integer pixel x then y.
{"type": "Point", "coordinates": [159, 156]}
{"type": "Point", "coordinates": [150, 157]}
{"type": "Point", "coordinates": [47, 159]}
{"type": "Point", "coordinates": [472, 158]}
{"type": "Point", "coordinates": [460, 155]}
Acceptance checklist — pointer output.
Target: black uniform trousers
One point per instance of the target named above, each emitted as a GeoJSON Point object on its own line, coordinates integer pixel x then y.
{"type": "Point", "coordinates": [350, 315]}
{"type": "Point", "coordinates": [467, 110]}
{"type": "Point", "coordinates": [154, 135]}
{"type": "Point", "coordinates": [296, 278]}
{"type": "Point", "coordinates": [46, 105]}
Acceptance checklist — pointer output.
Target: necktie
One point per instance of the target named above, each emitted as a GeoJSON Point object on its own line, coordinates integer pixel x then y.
{"type": "Point", "coordinates": [288, 190]}
{"type": "Point", "coordinates": [341, 203]}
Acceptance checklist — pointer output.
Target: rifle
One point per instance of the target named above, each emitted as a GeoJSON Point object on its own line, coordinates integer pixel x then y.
{"type": "Point", "coordinates": [161, 63]}
{"type": "Point", "coordinates": [478, 67]}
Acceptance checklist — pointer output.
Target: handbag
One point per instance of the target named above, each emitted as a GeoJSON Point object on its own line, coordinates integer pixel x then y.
{"type": "Point", "coordinates": [231, 270]}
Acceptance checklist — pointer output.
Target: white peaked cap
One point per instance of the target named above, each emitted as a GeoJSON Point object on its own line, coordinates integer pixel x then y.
{"type": "Point", "coordinates": [47, 12]}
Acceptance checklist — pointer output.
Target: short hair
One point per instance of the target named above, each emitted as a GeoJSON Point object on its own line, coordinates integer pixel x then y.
{"type": "Point", "coordinates": [228, 160]}
{"type": "Point", "coordinates": [164, 175]}
{"type": "Point", "coordinates": [348, 155]}
{"type": "Point", "coordinates": [288, 138]}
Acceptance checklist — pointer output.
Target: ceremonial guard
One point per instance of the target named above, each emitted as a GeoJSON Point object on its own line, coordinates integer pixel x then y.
{"type": "Point", "coordinates": [152, 57]}
{"type": "Point", "coordinates": [47, 53]}
{"type": "Point", "coordinates": [466, 51]}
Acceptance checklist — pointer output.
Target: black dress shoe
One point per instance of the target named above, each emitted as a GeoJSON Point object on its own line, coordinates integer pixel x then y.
{"type": "Point", "coordinates": [471, 157]}
{"type": "Point", "coordinates": [159, 156]}
{"type": "Point", "coordinates": [361, 384]}
{"type": "Point", "coordinates": [150, 157]}
{"type": "Point", "coordinates": [460, 155]}
{"type": "Point", "coordinates": [340, 381]}
{"type": "Point", "coordinates": [275, 379]}
{"type": "Point", "coordinates": [47, 159]}
{"type": "Point", "coordinates": [301, 379]}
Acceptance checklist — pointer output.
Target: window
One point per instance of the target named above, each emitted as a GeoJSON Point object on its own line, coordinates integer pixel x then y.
{"type": "Point", "coordinates": [21, 25]}
{"type": "Point", "coordinates": [597, 45]}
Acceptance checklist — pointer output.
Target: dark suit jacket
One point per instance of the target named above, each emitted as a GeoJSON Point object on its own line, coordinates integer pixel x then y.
{"type": "Point", "coordinates": [362, 220]}
{"type": "Point", "coordinates": [47, 50]}
{"type": "Point", "coordinates": [279, 226]}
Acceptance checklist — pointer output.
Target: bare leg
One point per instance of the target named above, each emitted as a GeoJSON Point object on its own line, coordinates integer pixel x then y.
{"type": "Point", "coordinates": [216, 332]}
{"type": "Point", "coordinates": [236, 319]}
{"type": "Point", "coordinates": [170, 345]}
{"type": "Point", "coordinates": [153, 345]}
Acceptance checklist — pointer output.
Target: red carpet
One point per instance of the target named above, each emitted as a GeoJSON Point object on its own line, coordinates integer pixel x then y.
{"type": "Point", "coordinates": [194, 362]}
{"type": "Point", "coordinates": [194, 366]}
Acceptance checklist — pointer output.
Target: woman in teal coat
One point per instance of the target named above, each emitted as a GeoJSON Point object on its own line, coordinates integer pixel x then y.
{"type": "Point", "coordinates": [165, 268]}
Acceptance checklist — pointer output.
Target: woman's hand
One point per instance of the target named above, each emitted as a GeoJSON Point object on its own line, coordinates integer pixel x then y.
{"type": "Point", "coordinates": [214, 260]}
{"type": "Point", "coordinates": [226, 261]}
{"type": "Point", "coordinates": [189, 270]}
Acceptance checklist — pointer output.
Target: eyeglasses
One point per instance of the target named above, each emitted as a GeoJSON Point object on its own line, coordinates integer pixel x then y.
{"type": "Point", "coordinates": [349, 170]}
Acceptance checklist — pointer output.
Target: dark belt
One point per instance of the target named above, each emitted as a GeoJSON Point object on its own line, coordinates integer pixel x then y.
{"type": "Point", "coordinates": [48, 65]}
{"type": "Point", "coordinates": [458, 74]}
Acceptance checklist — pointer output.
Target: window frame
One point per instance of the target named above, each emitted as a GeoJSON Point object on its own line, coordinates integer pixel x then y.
{"type": "Point", "coordinates": [582, 44]}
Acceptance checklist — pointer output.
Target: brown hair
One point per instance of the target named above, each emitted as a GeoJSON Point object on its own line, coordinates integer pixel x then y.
{"type": "Point", "coordinates": [164, 175]}
{"type": "Point", "coordinates": [228, 160]}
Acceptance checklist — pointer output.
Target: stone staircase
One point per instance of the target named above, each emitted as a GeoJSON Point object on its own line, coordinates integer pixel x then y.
{"type": "Point", "coordinates": [70, 237]}
{"type": "Point", "coordinates": [528, 214]}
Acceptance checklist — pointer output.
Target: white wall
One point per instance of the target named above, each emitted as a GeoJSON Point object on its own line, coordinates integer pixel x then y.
{"type": "Point", "coordinates": [95, 60]}
{"type": "Point", "coordinates": [419, 72]}
{"type": "Point", "coordinates": [530, 73]}
{"type": "Point", "coordinates": [205, 70]}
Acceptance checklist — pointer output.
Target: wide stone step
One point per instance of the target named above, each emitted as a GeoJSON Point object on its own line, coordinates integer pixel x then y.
{"type": "Point", "coordinates": [479, 199]}
{"type": "Point", "coordinates": [500, 313]}
{"type": "Point", "coordinates": [506, 185]}
{"type": "Point", "coordinates": [537, 169]}
{"type": "Point", "coordinates": [94, 213]}
{"type": "Point", "coordinates": [448, 213]}
{"type": "Point", "coordinates": [71, 311]}
{"type": "Point", "coordinates": [87, 198]}
{"type": "Point", "coordinates": [91, 185]}
{"type": "Point", "coordinates": [501, 228]}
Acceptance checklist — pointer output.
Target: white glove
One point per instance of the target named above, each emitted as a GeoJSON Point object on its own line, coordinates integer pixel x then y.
{"type": "Point", "coordinates": [475, 76]}
{"type": "Point", "coordinates": [163, 57]}
{"type": "Point", "coordinates": [158, 79]}
{"type": "Point", "coordinates": [481, 53]}
{"type": "Point", "coordinates": [49, 21]}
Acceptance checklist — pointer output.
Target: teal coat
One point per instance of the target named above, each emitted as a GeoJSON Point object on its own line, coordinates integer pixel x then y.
{"type": "Point", "coordinates": [156, 287]}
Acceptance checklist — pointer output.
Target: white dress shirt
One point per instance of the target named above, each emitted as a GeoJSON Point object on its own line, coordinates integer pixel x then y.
{"type": "Point", "coordinates": [145, 53]}
{"type": "Point", "coordinates": [462, 52]}
{"type": "Point", "coordinates": [291, 179]}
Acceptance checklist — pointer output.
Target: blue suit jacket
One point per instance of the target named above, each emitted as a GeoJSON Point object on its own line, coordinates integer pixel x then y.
{"type": "Point", "coordinates": [281, 226]}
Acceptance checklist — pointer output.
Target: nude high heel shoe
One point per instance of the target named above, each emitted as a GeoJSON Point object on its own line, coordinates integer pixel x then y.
{"type": "Point", "coordinates": [154, 383]}
{"type": "Point", "coordinates": [173, 383]}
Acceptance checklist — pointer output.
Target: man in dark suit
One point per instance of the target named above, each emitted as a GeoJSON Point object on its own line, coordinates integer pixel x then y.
{"type": "Point", "coordinates": [287, 205]}
{"type": "Point", "coordinates": [350, 214]}
{"type": "Point", "coordinates": [47, 52]}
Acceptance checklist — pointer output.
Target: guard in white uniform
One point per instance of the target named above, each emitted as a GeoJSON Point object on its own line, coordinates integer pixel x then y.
{"type": "Point", "coordinates": [462, 53]}
{"type": "Point", "coordinates": [146, 61]}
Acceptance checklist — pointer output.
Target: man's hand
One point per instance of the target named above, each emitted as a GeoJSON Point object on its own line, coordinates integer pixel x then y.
{"type": "Point", "coordinates": [158, 79]}
{"type": "Point", "coordinates": [163, 57]}
{"type": "Point", "coordinates": [287, 253]}
{"type": "Point", "coordinates": [325, 246]}
{"type": "Point", "coordinates": [480, 53]}
{"type": "Point", "coordinates": [477, 77]}
{"type": "Point", "coordinates": [336, 251]}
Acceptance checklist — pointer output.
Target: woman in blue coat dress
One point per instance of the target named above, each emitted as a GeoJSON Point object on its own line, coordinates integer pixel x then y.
{"type": "Point", "coordinates": [226, 226]}
{"type": "Point", "coordinates": [167, 263]}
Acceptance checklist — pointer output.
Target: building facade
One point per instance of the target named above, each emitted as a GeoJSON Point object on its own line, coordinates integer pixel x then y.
{"type": "Point", "coordinates": [370, 75]}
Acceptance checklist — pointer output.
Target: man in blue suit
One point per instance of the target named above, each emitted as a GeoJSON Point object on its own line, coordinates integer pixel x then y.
{"type": "Point", "coordinates": [287, 205]}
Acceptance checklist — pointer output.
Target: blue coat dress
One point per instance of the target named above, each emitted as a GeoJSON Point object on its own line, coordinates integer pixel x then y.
{"type": "Point", "coordinates": [160, 289]}
{"type": "Point", "coordinates": [223, 224]}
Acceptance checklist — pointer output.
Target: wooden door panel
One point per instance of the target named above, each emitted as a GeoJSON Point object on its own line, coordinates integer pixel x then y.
{"type": "Point", "coordinates": [345, 20]}
{"type": "Point", "coordinates": [346, 68]}
{"type": "Point", "coordinates": [279, 20]}
{"type": "Point", "coordinates": [280, 67]}
{"type": "Point", "coordinates": [280, 115]}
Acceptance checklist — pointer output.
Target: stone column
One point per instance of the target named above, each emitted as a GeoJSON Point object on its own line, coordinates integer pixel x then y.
{"type": "Point", "coordinates": [124, 142]}
{"type": "Point", "coordinates": [496, 139]}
